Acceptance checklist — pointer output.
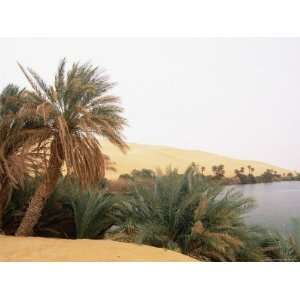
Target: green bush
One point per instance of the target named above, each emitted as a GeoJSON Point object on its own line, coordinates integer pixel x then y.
{"type": "Point", "coordinates": [284, 247]}
{"type": "Point", "coordinates": [189, 214]}
{"type": "Point", "coordinates": [93, 213]}
{"type": "Point", "coordinates": [69, 213]}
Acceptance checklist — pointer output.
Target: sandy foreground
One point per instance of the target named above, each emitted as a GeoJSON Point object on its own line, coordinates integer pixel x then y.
{"type": "Point", "coordinates": [48, 249]}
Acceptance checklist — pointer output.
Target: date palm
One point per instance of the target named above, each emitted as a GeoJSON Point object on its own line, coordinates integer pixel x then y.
{"type": "Point", "coordinates": [215, 170]}
{"type": "Point", "coordinates": [203, 170]}
{"type": "Point", "coordinates": [17, 156]}
{"type": "Point", "coordinates": [189, 214]}
{"type": "Point", "coordinates": [249, 169]}
{"type": "Point", "coordinates": [75, 112]}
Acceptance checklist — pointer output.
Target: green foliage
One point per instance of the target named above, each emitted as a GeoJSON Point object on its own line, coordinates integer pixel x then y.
{"type": "Point", "coordinates": [138, 174]}
{"type": "Point", "coordinates": [243, 178]}
{"type": "Point", "coordinates": [69, 213]}
{"type": "Point", "coordinates": [189, 214]}
{"type": "Point", "coordinates": [144, 173]}
{"type": "Point", "coordinates": [269, 176]}
{"type": "Point", "coordinates": [285, 247]}
{"type": "Point", "coordinates": [219, 232]}
{"type": "Point", "coordinates": [186, 213]}
{"type": "Point", "coordinates": [6, 105]}
{"type": "Point", "coordinates": [218, 171]}
{"type": "Point", "coordinates": [93, 213]}
{"type": "Point", "coordinates": [56, 219]}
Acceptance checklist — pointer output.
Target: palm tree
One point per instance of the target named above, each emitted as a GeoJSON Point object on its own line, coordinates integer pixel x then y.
{"type": "Point", "coordinates": [215, 170]}
{"type": "Point", "coordinates": [218, 171]}
{"type": "Point", "coordinates": [189, 214]}
{"type": "Point", "coordinates": [236, 172]}
{"type": "Point", "coordinates": [249, 169]}
{"type": "Point", "coordinates": [93, 212]}
{"type": "Point", "coordinates": [75, 111]}
{"type": "Point", "coordinates": [8, 105]}
{"type": "Point", "coordinates": [203, 170]}
{"type": "Point", "coordinates": [221, 171]}
{"type": "Point", "coordinates": [17, 155]}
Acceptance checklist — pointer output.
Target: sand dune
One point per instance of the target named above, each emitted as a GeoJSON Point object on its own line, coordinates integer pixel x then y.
{"type": "Point", "coordinates": [151, 157]}
{"type": "Point", "coordinates": [48, 249]}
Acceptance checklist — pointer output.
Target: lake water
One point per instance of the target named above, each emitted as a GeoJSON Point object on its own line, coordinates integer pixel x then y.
{"type": "Point", "coordinates": [277, 203]}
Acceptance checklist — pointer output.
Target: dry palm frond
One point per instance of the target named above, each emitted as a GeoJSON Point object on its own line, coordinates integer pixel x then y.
{"type": "Point", "coordinates": [18, 158]}
{"type": "Point", "coordinates": [198, 228]}
{"type": "Point", "coordinates": [75, 112]}
{"type": "Point", "coordinates": [201, 209]}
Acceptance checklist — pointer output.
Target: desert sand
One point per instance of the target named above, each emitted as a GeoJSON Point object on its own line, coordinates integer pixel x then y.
{"type": "Point", "coordinates": [152, 157]}
{"type": "Point", "coordinates": [48, 249]}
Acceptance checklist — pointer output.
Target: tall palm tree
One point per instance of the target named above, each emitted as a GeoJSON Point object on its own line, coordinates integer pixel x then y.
{"type": "Point", "coordinates": [75, 111]}
{"type": "Point", "coordinates": [249, 169]}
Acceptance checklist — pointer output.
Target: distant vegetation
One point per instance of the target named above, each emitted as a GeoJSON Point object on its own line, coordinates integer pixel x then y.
{"type": "Point", "coordinates": [50, 130]}
{"type": "Point", "coordinates": [244, 175]}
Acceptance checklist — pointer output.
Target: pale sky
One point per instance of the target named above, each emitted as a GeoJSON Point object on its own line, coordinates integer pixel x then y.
{"type": "Point", "coordinates": [235, 97]}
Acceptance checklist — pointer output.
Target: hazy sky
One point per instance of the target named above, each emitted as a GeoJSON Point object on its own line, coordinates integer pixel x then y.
{"type": "Point", "coordinates": [236, 97]}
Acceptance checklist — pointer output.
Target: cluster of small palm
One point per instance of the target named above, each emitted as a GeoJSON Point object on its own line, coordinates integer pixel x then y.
{"type": "Point", "coordinates": [191, 215]}
{"type": "Point", "coordinates": [70, 212]}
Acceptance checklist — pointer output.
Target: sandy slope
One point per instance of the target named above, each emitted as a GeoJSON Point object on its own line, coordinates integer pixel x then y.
{"type": "Point", "coordinates": [151, 157]}
{"type": "Point", "coordinates": [42, 249]}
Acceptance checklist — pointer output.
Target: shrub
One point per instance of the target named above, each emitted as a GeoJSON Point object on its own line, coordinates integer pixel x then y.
{"type": "Point", "coordinates": [285, 247]}
{"type": "Point", "coordinates": [189, 214]}
{"type": "Point", "coordinates": [56, 219]}
{"type": "Point", "coordinates": [93, 213]}
{"type": "Point", "coordinates": [69, 213]}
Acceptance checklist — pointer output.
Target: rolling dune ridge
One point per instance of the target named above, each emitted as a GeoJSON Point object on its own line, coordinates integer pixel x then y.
{"type": "Point", "coordinates": [152, 157]}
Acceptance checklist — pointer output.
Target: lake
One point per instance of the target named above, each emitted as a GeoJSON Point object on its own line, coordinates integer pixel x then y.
{"type": "Point", "coordinates": [277, 203]}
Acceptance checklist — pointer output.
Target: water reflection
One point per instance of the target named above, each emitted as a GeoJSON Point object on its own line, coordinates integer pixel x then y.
{"type": "Point", "coordinates": [277, 203]}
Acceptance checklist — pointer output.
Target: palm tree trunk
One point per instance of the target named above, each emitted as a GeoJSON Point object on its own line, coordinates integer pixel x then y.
{"type": "Point", "coordinates": [45, 189]}
{"type": "Point", "coordinates": [5, 194]}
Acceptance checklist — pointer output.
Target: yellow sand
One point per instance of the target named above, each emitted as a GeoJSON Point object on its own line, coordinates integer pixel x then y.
{"type": "Point", "coordinates": [46, 249]}
{"type": "Point", "coordinates": [151, 157]}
